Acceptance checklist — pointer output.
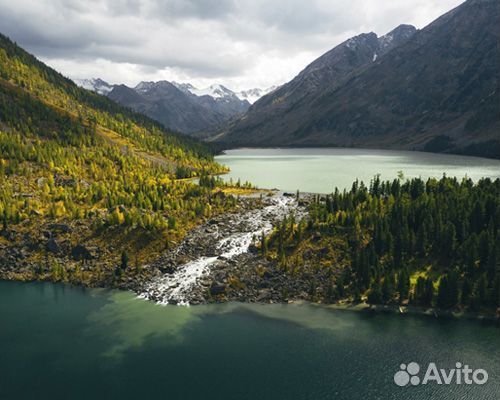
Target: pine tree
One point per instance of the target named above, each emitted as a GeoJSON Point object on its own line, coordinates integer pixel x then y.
{"type": "Point", "coordinates": [403, 285]}
{"type": "Point", "coordinates": [387, 289]}
{"type": "Point", "coordinates": [375, 295]}
{"type": "Point", "coordinates": [124, 261]}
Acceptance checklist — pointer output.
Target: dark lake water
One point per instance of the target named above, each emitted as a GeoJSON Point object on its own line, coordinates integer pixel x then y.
{"type": "Point", "coordinates": [59, 342]}
{"type": "Point", "coordinates": [321, 170]}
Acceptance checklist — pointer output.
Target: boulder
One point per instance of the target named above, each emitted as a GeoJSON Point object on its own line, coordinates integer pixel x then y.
{"type": "Point", "coordinates": [217, 289]}
{"type": "Point", "coordinates": [52, 246]}
{"type": "Point", "coordinates": [80, 252]}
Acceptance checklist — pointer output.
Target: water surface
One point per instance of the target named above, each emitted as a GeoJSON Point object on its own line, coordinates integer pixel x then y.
{"type": "Point", "coordinates": [59, 342]}
{"type": "Point", "coordinates": [320, 170]}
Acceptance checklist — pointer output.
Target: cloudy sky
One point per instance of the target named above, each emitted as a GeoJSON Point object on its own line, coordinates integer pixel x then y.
{"type": "Point", "coordinates": [239, 43]}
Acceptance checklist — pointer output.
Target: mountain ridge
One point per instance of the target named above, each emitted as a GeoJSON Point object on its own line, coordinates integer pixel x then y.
{"type": "Point", "coordinates": [179, 106]}
{"type": "Point", "coordinates": [434, 91]}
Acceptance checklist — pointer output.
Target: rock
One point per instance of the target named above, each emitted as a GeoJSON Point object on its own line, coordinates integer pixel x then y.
{"type": "Point", "coordinates": [263, 295]}
{"type": "Point", "coordinates": [324, 250]}
{"type": "Point", "coordinates": [9, 235]}
{"type": "Point", "coordinates": [52, 246]}
{"type": "Point", "coordinates": [60, 180]}
{"type": "Point", "coordinates": [41, 181]}
{"type": "Point", "coordinates": [217, 289]}
{"type": "Point", "coordinates": [267, 275]}
{"type": "Point", "coordinates": [84, 184]}
{"type": "Point", "coordinates": [80, 252]}
{"type": "Point", "coordinates": [169, 269]}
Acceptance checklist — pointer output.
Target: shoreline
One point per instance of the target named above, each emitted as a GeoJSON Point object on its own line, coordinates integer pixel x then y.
{"type": "Point", "coordinates": [410, 310]}
{"type": "Point", "coordinates": [214, 285]}
{"type": "Point", "coordinates": [322, 147]}
{"type": "Point", "coordinates": [363, 308]}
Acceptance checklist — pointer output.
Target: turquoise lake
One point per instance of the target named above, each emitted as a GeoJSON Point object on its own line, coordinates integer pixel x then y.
{"type": "Point", "coordinates": [60, 342]}
{"type": "Point", "coordinates": [320, 170]}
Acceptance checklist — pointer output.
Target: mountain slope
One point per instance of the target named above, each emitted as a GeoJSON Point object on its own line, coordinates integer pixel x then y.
{"type": "Point", "coordinates": [180, 107]}
{"type": "Point", "coordinates": [436, 91]}
{"type": "Point", "coordinates": [165, 103]}
{"type": "Point", "coordinates": [332, 67]}
{"type": "Point", "coordinates": [85, 183]}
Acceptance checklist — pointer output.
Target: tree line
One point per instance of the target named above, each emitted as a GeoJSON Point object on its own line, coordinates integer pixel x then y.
{"type": "Point", "coordinates": [432, 243]}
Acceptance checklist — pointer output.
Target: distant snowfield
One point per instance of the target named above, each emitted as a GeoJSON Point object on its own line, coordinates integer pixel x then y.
{"type": "Point", "coordinates": [216, 91]}
{"type": "Point", "coordinates": [95, 85]}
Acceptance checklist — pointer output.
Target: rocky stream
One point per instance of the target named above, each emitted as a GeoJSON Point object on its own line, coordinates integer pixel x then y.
{"type": "Point", "coordinates": [201, 268]}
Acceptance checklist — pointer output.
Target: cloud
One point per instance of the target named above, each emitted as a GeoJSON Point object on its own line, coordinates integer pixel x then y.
{"type": "Point", "coordinates": [193, 9]}
{"type": "Point", "coordinates": [235, 42]}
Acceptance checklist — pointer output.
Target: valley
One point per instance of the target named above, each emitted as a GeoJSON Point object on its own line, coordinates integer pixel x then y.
{"type": "Point", "coordinates": [325, 234]}
{"type": "Point", "coordinates": [180, 106]}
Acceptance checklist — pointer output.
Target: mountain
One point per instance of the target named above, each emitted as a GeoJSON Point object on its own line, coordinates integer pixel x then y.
{"type": "Point", "coordinates": [221, 92]}
{"type": "Point", "coordinates": [330, 68]}
{"type": "Point", "coordinates": [85, 182]}
{"type": "Point", "coordinates": [179, 106]}
{"type": "Point", "coordinates": [95, 84]}
{"type": "Point", "coordinates": [167, 104]}
{"type": "Point", "coordinates": [436, 89]}
{"type": "Point", "coordinates": [252, 95]}
{"type": "Point", "coordinates": [216, 97]}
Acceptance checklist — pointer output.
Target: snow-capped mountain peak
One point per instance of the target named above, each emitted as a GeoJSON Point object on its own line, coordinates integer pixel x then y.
{"type": "Point", "coordinates": [184, 87]}
{"type": "Point", "coordinates": [143, 87]}
{"type": "Point", "coordinates": [95, 84]}
{"type": "Point", "coordinates": [252, 95]}
{"type": "Point", "coordinates": [396, 36]}
{"type": "Point", "coordinates": [216, 91]}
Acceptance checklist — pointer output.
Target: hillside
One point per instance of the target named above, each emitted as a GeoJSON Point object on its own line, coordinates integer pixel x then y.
{"type": "Point", "coordinates": [89, 191]}
{"type": "Point", "coordinates": [436, 90]}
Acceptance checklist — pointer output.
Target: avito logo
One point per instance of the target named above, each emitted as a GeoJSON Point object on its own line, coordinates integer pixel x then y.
{"type": "Point", "coordinates": [408, 374]}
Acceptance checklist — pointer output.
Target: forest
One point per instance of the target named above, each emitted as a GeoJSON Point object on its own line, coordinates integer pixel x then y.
{"type": "Point", "coordinates": [88, 188]}
{"type": "Point", "coordinates": [90, 192]}
{"type": "Point", "coordinates": [430, 243]}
